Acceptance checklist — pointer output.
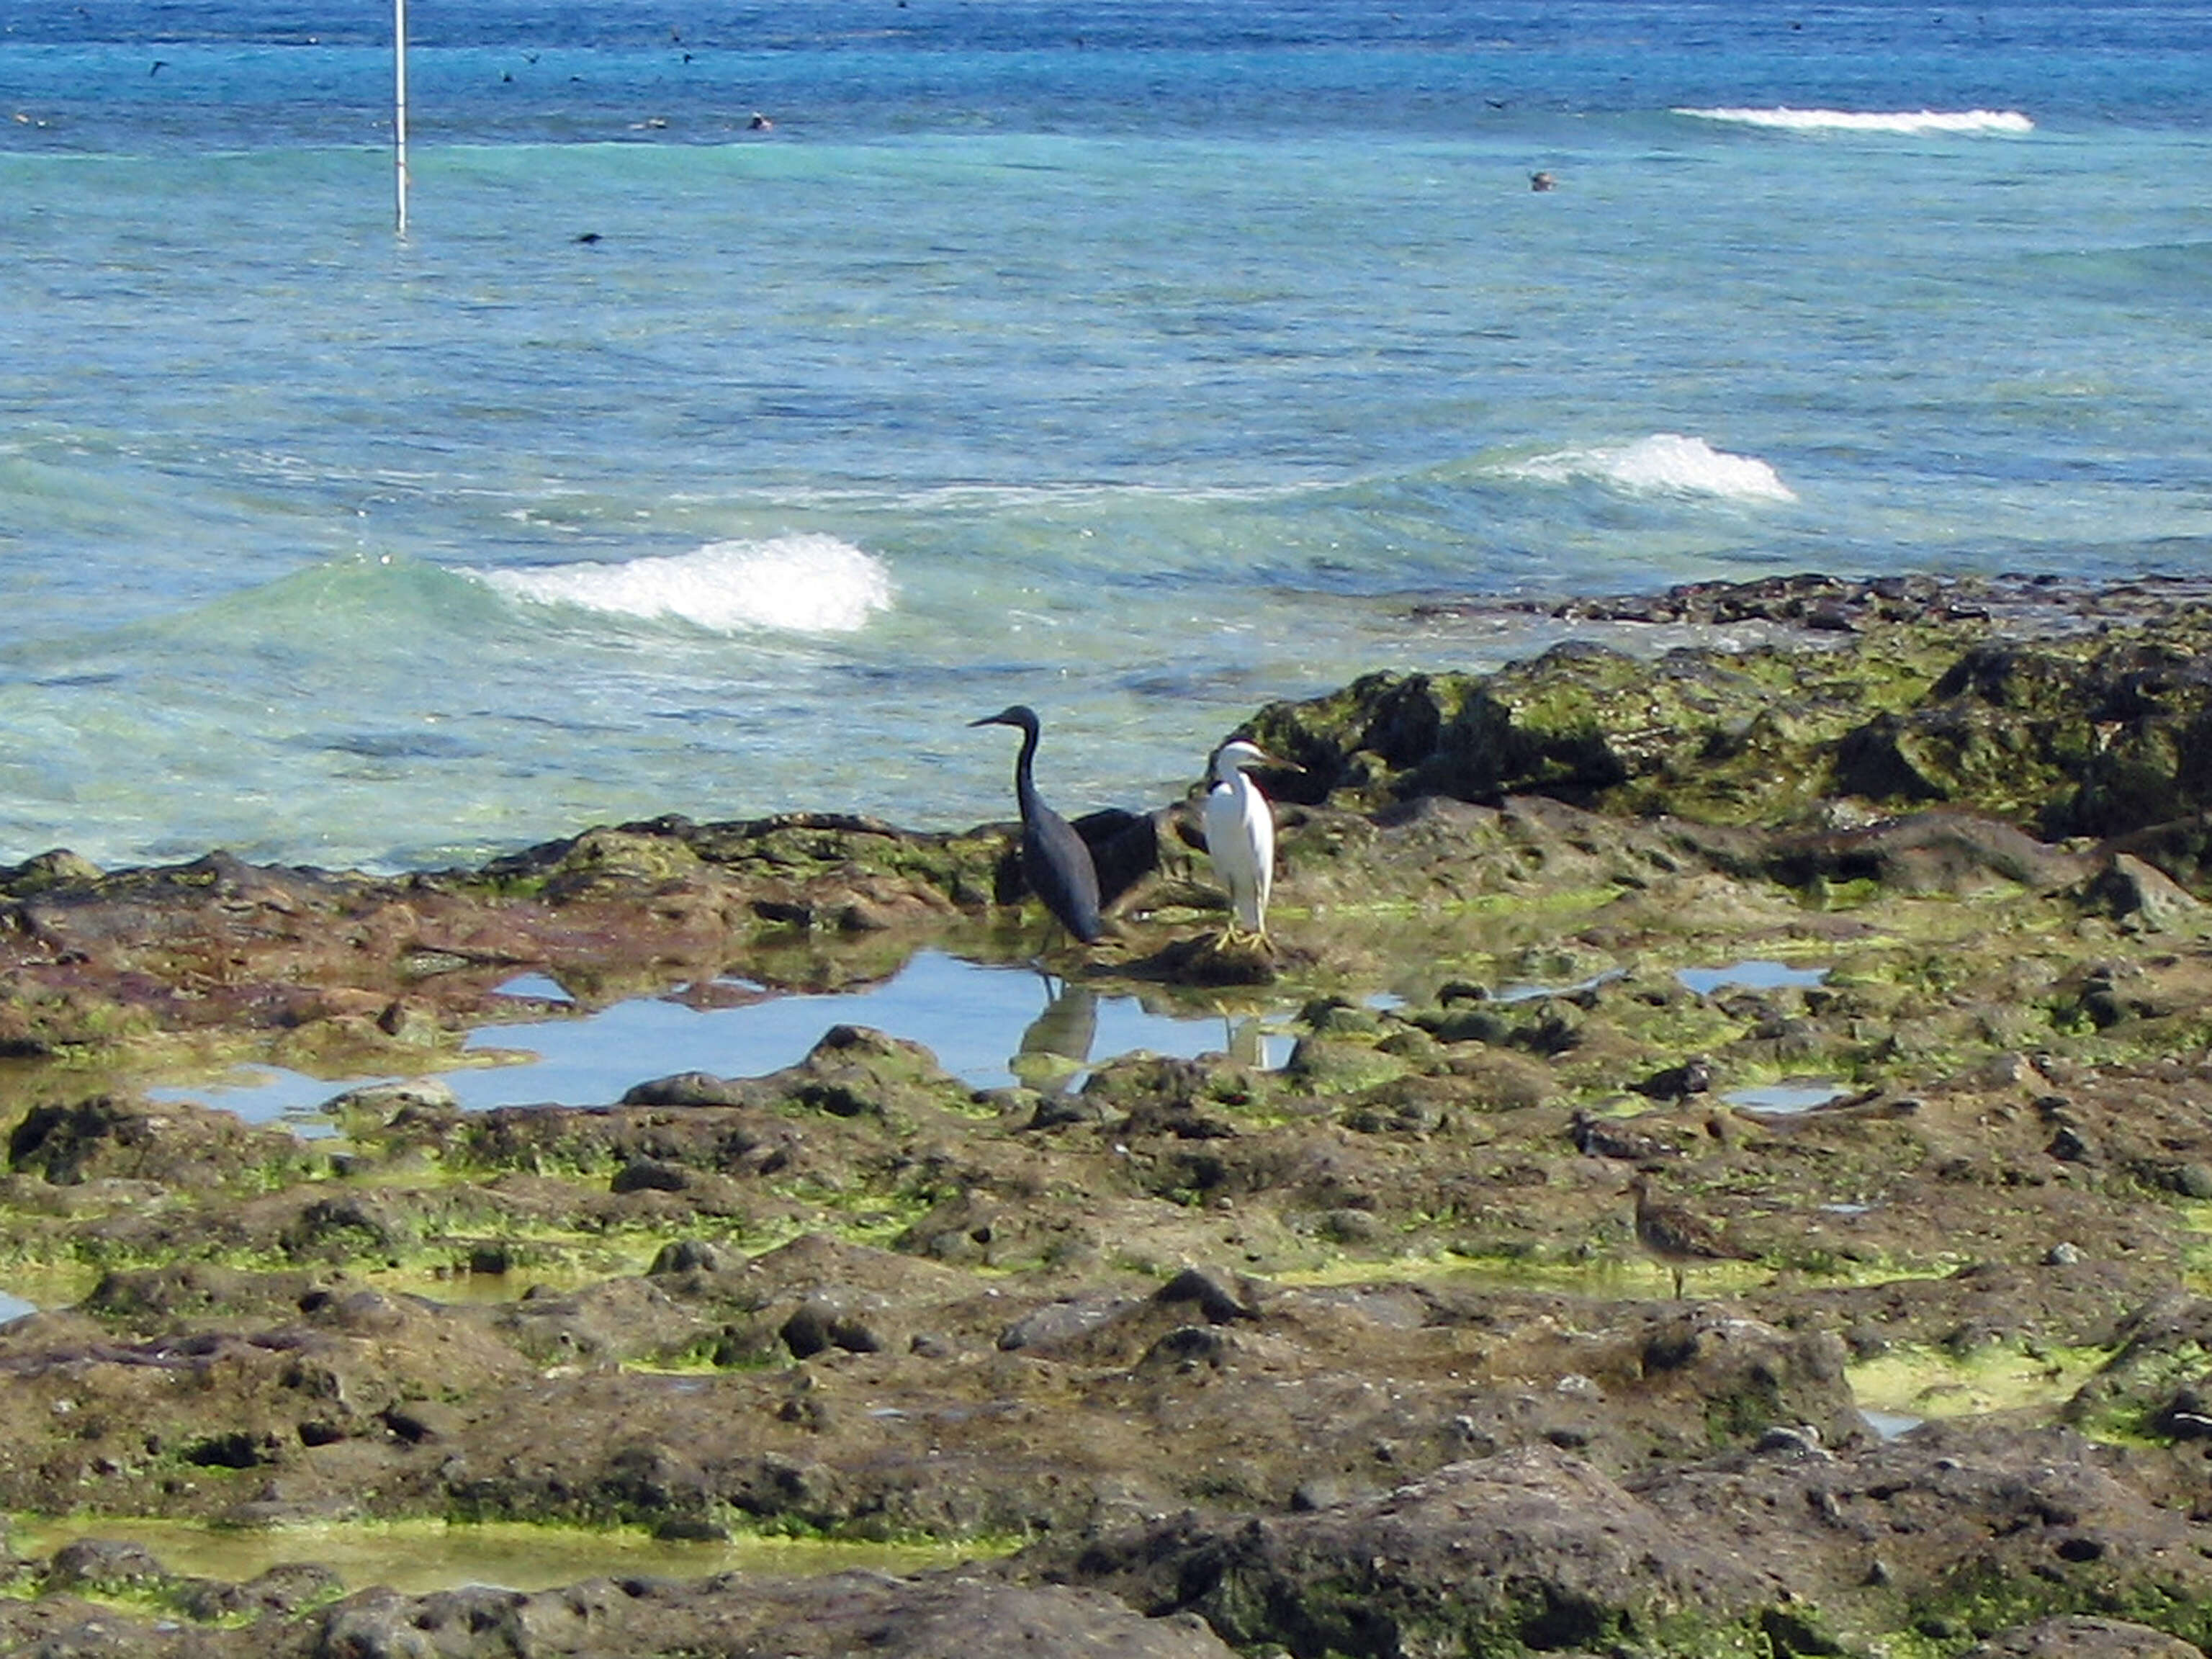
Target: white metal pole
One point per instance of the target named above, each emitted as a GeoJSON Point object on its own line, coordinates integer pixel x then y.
{"type": "Point", "coordinates": [400, 115]}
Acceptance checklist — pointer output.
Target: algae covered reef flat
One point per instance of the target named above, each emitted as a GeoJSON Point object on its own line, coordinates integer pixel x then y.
{"type": "Point", "coordinates": [1868, 926]}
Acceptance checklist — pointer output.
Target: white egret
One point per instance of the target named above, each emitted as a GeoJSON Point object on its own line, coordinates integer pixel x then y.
{"type": "Point", "coordinates": [1240, 834]}
{"type": "Point", "coordinates": [1056, 863]}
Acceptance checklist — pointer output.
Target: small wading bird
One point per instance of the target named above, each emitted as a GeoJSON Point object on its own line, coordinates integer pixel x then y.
{"type": "Point", "coordinates": [1056, 863]}
{"type": "Point", "coordinates": [1240, 834]}
{"type": "Point", "coordinates": [1605, 1137]}
{"type": "Point", "coordinates": [1677, 1238]}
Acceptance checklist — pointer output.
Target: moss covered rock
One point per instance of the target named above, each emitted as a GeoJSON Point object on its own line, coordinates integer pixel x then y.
{"type": "Point", "coordinates": [2078, 733]}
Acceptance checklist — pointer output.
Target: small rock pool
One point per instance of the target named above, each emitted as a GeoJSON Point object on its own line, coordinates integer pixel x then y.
{"type": "Point", "coordinates": [989, 1025]}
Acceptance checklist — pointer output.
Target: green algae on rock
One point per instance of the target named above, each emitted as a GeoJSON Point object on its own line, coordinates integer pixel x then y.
{"type": "Point", "coordinates": [2096, 731]}
{"type": "Point", "coordinates": [1265, 1351]}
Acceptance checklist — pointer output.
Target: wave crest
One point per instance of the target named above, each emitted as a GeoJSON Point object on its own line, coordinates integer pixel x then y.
{"type": "Point", "coordinates": [1665, 463]}
{"type": "Point", "coordinates": [807, 584]}
{"type": "Point", "coordinates": [1841, 120]}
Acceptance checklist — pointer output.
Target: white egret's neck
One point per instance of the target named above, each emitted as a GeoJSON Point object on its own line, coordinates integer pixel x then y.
{"type": "Point", "coordinates": [1229, 761]}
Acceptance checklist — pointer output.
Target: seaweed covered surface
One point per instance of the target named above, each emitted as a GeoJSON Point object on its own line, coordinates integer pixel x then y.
{"type": "Point", "coordinates": [1365, 1353]}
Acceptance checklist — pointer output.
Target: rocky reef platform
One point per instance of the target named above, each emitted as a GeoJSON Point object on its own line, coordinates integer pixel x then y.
{"type": "Point", "coordinates": [1865, 922]}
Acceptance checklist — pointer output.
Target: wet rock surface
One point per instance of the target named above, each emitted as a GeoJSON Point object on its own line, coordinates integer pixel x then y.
{"type": "Point", "coordinates": [1362, 1354]}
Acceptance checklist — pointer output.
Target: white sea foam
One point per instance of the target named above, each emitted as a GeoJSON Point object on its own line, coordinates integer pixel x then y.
{"type": "Point", "coordinates": [806, 584]}
{"type": "Point", "coordinates": [1665, 463]}
{"type": "Point", "coordinates": [1843, 120]}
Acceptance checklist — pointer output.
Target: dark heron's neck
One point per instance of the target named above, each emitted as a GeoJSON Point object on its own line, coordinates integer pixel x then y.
{"type": "Point", "coordinates": [1024, 770]}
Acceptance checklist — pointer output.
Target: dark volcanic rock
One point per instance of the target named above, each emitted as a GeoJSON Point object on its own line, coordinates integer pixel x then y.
{"type": "Point", "coordinates": [103, 1138]}
{"type": "Point", "coordinates": [360, 967]}
{"type": "Point", "coordinates": [943, 1617]}
{"type": "Point", "coordinates": [1534, 1550]}
{"type": "Point", "coordinates": [2080, 1635]}
{"type": "Point", "coordinates": [1793, 1550]}
{"type": "Point", "coordinates": [2102, 738]}
{"type": "Point", "coordinates": [2072, 734]}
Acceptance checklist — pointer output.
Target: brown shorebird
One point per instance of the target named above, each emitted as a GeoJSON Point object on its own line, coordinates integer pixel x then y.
{"type": "Point", "coordinates": [1605, 1137]}
{"type": "Point", "coordinates": [1676, 1237]}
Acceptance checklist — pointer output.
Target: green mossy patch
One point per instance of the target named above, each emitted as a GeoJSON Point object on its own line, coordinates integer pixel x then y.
{"type": "Point", "coordinates": [1993, 1377]}
{"type": "Point", "coordinates": [2095, 734]}
{"type": "Point", "coordinates": [856, 1296]}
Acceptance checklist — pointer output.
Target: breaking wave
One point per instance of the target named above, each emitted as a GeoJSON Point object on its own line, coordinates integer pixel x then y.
{"type": "Point", "coordinates": [1665, 463]}
{"type": "Point", "coordinates": [1839, 120]}
{"type": "Point", "coordinates": [806, 583]}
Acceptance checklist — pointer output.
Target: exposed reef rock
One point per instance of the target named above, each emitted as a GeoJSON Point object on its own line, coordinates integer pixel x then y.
{"type": "Point", "coordinates": [1788, 1550]}
{"type": "Point", "coordinates": [1869, 931]}
{"type": "Point", "coordinates": [946, 1616]}
{"type": "Point", "coordinates": [2097, 730]}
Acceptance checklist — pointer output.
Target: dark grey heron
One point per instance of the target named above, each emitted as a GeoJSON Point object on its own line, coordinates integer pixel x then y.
{"type": "Point", "coordinates": [1056, 863]}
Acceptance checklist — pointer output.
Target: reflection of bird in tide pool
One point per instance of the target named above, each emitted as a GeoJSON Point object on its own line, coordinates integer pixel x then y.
{"type": "Point", "coordinates": [1055, 1046]}
{"type": "Point", "coordinates": [1056, 863]}
{"type": "Point", "coordinates": [1240, 834]}
{"type": "Point", "coordinates": [1677, 1238]}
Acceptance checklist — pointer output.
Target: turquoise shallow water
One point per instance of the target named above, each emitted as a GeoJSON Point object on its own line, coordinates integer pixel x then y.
{"type": "Point", "coordinates": [1143, 376]}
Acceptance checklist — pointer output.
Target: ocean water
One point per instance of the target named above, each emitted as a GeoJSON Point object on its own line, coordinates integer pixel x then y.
{"type": "Point", "coordinates": [1142, 363]}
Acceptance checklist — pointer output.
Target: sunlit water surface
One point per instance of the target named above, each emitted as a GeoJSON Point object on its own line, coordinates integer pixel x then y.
{"type": "Point", "coordinates": [1143, 366]}
{"type": "Point", "coordinates": [989, 1025]}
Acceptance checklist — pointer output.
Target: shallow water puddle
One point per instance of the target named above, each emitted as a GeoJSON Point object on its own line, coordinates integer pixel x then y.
{"type": "Point", "coordinates": [1522, 992]}
{"type": "Point", "coordinates": [1890, 1424]}
{"type": "Point", "coordinates": [990, 1026]}
{"type": "Point", "coordinates": [32, 1285]}
{"type": "Point", "coordinates": [1916, 1384]}
{"type": "Point", "coordinates": [1787, 1098]}
{"type": "Point", "coordinates": [421, 1556]}
{"type": "Point", "coordinates": [1748, 976]}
